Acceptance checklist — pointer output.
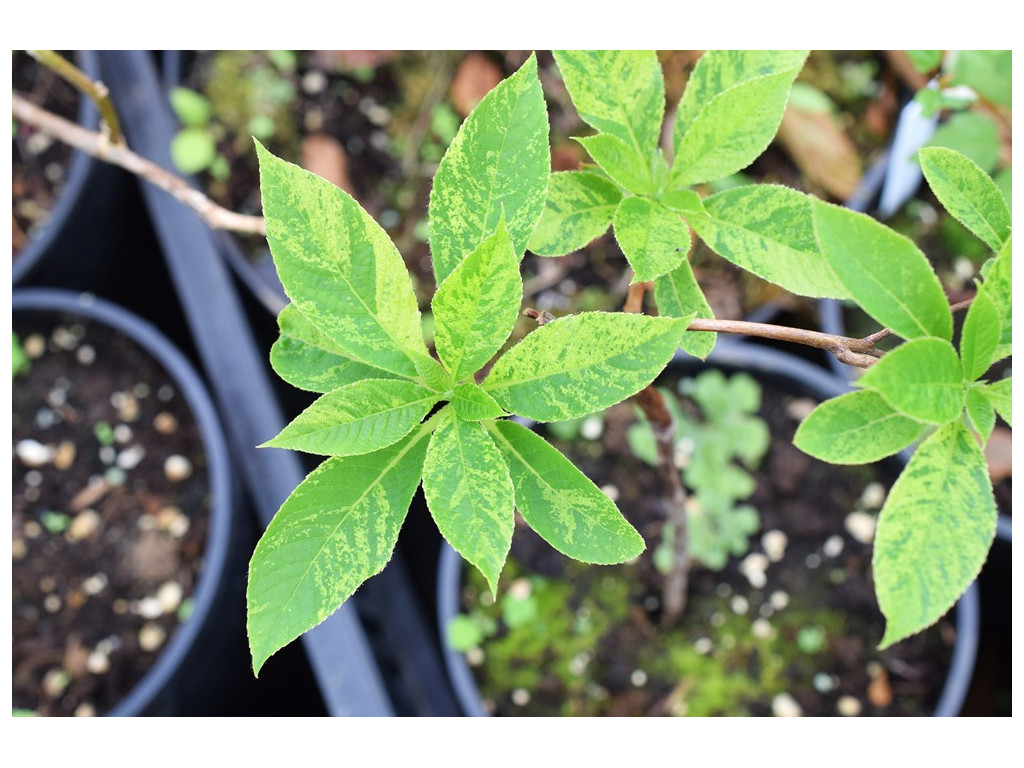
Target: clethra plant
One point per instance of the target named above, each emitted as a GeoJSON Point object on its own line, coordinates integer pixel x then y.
{"type": "Point", "coordinates": [391, 416]}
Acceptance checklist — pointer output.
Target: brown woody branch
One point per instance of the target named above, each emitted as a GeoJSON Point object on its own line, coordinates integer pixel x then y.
{"type": "Point", "coordinates": [100, 146]}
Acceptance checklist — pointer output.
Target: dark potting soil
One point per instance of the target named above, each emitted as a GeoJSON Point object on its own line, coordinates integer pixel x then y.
{"type": "Point", "coordinates": [39, 164]}
{"type": "Point", "coordinates": [803, 642]}
{"type": "Point", "coordinates": [110, 503]}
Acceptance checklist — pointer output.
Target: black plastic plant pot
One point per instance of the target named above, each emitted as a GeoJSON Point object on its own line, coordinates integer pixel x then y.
{"type": "Point", "coordinates": [193, 672]}
{"type": "Point", "coordinates": [66, 252]}
{"type": "Point", "coordinates": [801, 382]}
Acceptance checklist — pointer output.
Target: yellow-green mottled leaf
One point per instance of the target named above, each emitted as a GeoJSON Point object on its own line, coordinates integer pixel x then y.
{"type": "Point", "coordinates": [579, 208]}
{"type": "Point", "coordinates": [1000, 394]}
{"type": "Point", "coordinates": [884, 272]}
{"type": "Point", "coordinates": [980, 335]}
{"type": "Point", "coordinates": [981, 413]}
{"type": "Point", "coordinates": [561, 503]}
{"type": "Point", "coordinates": [934, 532]}
{"type": "Point", "coordinates": [678, 295]}
{"type": "Point", "coordinates": [477, 306]}
{"type": "Point", "coordinates": [768, 230]}
{"type": "Point", "coordinates": [581, 364]}
{"type": "Point", "coordinates": [499, 161]}
{"type": "Point", "coordinates": [968, 193]}
{"type": "Point", "coordinates": [621, 162]}
{"type": "Point", "coordinates": [471, 403]}
{"type": "Point", "coordinates": [731, 109]}
{"type": "Point", "coordinates": [998, 274]}
{"type": "Point", "coordinates": [309, 360]}
{"type": "Point", "coordinates": [921, 379]}
{"type": "Point", "coordinates": [337, 529]}
{"type": "Point", "coordinates": [620, 93]}
{"type": "Point", "coordinates": [653, 239]}
{"type": "Point", "coordinates": [358, 418]}
{"type": "Point", "coordinates": [469, 492]}
{"type": "Point", "coordinates": [855, 428]}
{"type": "Point", "coordinates": [339, 268]}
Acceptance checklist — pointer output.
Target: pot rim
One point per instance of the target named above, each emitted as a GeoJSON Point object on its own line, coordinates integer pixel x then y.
{"type": "Point", "coordinates": [773, 363]}
{"type": "Point", "coordinates": [222, 512]}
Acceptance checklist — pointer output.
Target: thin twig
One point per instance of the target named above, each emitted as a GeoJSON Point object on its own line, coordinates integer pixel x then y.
{"type": "Point", "coordinates": [99, 146]}
{"type": "Point", "coordinates": [95, 90]}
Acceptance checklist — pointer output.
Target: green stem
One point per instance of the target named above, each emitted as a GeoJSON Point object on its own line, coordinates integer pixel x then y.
{"type": "Point", "coordinates": [96, 91]}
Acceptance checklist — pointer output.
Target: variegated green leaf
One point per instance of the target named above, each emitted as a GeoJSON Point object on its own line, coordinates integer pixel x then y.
{"type": "Point", "coordinates": [768, 230]}
{"type": "Point", "coordinates": [968, 193]}
{"type": "Point", "coordinates": [981, 413]}
{"type": "Point", "coordinates": [980, 335]}
{"type": "Point", "coordinates": [477, 305]}
{"type": "Point", "coordinates": [582, 364]}
{"type": "Point", "coordinates": [469, 492]}
{"type": "Point", "coordinates": [358, 418]}
{"type": "Point", "coordinates": [579, 208]}
{"type": "Point", "coordinates": [471, 403]}
{"type": "Point", "coordinates": [731, 109]}
{"type": "Point", "coordinates": [620, 93]}
{"type": "Point", "coordinates": [499, 161]}
{"type": "Point", "coordinates": [883, 271]}
{"type": "Point", "coordinates": [561, 503]}
{"type": "Point", "coordinates": [653, 239]}
{"type": "Point", "coordinates": [621, 162]}
{"type": "Point", "coordinates": [922, 379]}
{"type": "Point", "coordinates": [678, 295]}
{"type": "Point", "coordinates": [934, 532]}
{"type": "Point", "coordinates": [339, 268]}
{"type": "Point", "coordinates": [855, 428]}
{"type": "Point", "coordinates": [1000, 394]}
{"type": "Point", "coordinates": [998, 275]}
{"type": "Point", "coordinates": [309, 360]}
{"type": "Point", "coordinates": [337, 529]}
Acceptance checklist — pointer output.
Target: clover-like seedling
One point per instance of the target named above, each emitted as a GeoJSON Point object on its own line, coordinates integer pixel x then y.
{"type": "Point", "coordinates": [391, 416]}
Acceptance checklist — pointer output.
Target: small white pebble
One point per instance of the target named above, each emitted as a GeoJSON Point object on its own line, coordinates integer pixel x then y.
{"type": "Point", "coordinates": [123, 434]}
{"type": "Point", "coordinates": [723, 590]}
{"type": "Point", "coordinates": [784, 705]}
{"type": "Point", "coordinates": [861, 526]}
{"type": "Point", "coordinates": [165, 393]}
{"type": "Point", "coordinates": [739, 605]}
{"type": "Point", "coordinates": [774, 543]}
{"type": "Point", "coordinates": [873, 496]}
{"type": "Point", "coordinates": [95, 584]}
{"type": "Point", "coordinates": [833, 546]}
{"type": "Point", "coordinates": [753, 566]}
{"type": "Point", "coordinates": [178, 527]}
{"type": "Point", "coordinates": [761, 628]}
{"type": "Point", "coordinates": [703, 645]}
{"type": "Point", "coordinates": [314, 81]}
{"type": "Point", "coordinates": [98, 663]}
{"type": "Point", "coordinates": [108, 454]}
{"type": "Point", "coordinates": [520, 697]}
{"type": "Point", "coordinates": [149, 608]}
{"type": "Point", "coordinates": [848, 706]}
{"type": "Point", "coordinates": [141, 390]}
{"type": "Point", "coordinates": [638, 678]}
{"type": "Point", "coordinates": [766, 610]}
{"type": "Point", "coordinates": [34, 346]}
{"type": "Point", "coordinates": [64, 338]}
{"type": "Point", "coordinates": [130, 457]}
{"type": "Point", "coordinates": [591, 428]}
{"type": "Point", "coordinates": [53, 172]}
{"type": "Point", "coordinates": [177, 468]}
{"type": "Point", "coordinates": [520, 589]}
{"type": "Point", "coordinates": [32, 453]}
{"type": "Point", "coordinates": [115, 477]}
{"type": "Point", "coordinates": [55, 681]}
{"type": "Point", "coordinates": [778, 600]}
{"type": "Point", "coordinates": [475, 657]}
{"type": "Point", "coordinates": [38, 143]}
{"type": "Point", "coordinates": [33, 478]}
{"type": "Point", "coordinates": [717, 619]}
{"type": "Point", "coordinates": [151, 636]}
{"type": "Point", "coordinates": [32, 529]}
{"type": "Point", "coordinates": [85, 709]}
{"type": "Point", "coordinates": [170, 594]}
{"type": "Point", "coordinates": [822, 682]}
{"type": "Point", "coordinates": [611, 491]}
{"type": "Point", "coordinates": [578, 663]}
{"type": "Point", "coordinates": [86, 355]}
{"type": "Point", "coordinates": [31, 494]}
{"type": "Point", "coordinates": [146, 523]}
{"type": "Point", "coordinates": [52, 603]}
{"type": "Point", "coordinates": [19, 549]}
{"type": "Point", "coordinates": [45, 418]}
{"type": "Point", "coordinates": [813, 560]}
{"type": "Point", "coordinates": [84, 525]}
